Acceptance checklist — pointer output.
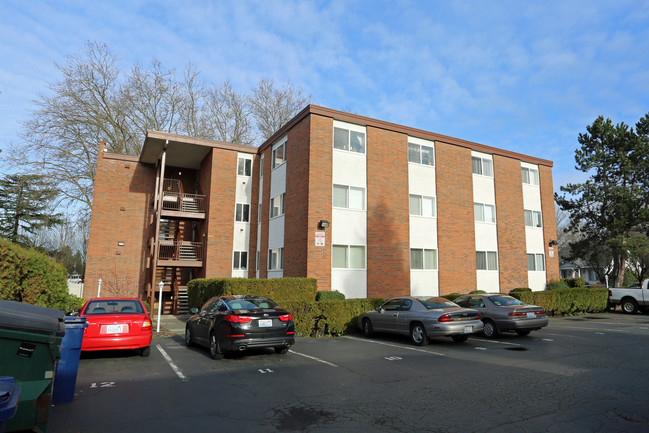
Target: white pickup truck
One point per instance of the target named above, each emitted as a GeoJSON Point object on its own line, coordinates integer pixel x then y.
{"type": "Point", "coordinates": [631, 299]}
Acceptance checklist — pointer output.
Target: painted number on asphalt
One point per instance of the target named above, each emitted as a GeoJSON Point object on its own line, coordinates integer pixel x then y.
{"type": "Point", "coordinates": [102, 385]}
{"type": "Point", "coordinates": [265, 370]}
{"type": "Point", "coordinates": [393, 358]}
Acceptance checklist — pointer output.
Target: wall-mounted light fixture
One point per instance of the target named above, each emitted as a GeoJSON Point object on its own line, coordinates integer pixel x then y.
{"type": "Point", "coordinates": [323, 224]}
{"type": "Point", "coordinates": [553, 243]}
{"type": "Point", "coordinates": [120, 244]}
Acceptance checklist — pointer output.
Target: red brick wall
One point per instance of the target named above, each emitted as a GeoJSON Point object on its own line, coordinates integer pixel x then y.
{"type": "Point", "coordinates": [265, 216]}
{"type": "Point", "coordinates": [549, 222]}
{"type": "Point", "coordinates": [455, 219]}
{"type": "Point", "coordinates": [296, 205]}
{"type": "Point", "coordinates": [388, 220]}
{"type": "Point", "coordinates": [320, 198]}
{"type": "Point", "coordinates": [220, 222]}
{"type": "Point", "coordinates": [121, 208]}
{"type": "Point", "coordinates": [512, 255]}
{"type": "Point", "coordinates": [205, 176]}
{"type": "Point", "coordinates": [254, 218]}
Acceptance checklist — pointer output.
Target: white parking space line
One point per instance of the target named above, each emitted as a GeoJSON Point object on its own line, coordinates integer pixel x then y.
{"type": "Point", "coordinates": [495, 342]}
{"type": "Point", "coordinates": [430, 352]}
{"type": "Point", "coordinates": [314, 358]}
{"type": "Point", "coordinates": [171, 363]}
{"type": "Point", "coordinates": [585, 328]}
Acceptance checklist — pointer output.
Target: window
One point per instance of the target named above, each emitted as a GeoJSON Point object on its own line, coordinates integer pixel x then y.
{"type": "Point", "coordinates": [279, 155]}
{"type": "Point", "coordinates": [530, 176]}
{"type": "Point", "coordinates": [423, 259]}
{"type": "Point", "coordinates": [533, 218]}
{"type": "Point", "coordinates": [486, 260]}
{"type": "Point", "coordinates": [277, 206]}
{"type": "Point", "coordinates": [276, 259]}
{"type": "Point", "coordinates": [535, 262]}
{"type": "Point", "coordinates": [349, 197]}
{"type": "Point", "coordinates": [352, 141]}
{"type": "Point", "coordinates": [421, 154]}
{"type": "Point", "coordinates": [245, 167]}
{"type": "Point", "coordinates": [242, 213]}
{"type": "Point", "coordinates": [240, 260]}
{"type": "Point", "coordinates": [348, 256]}
{"type": "Point", "coordinates": [485, 213]}
{"type": "Point", "coordinates": [482, 166]}
{"type": "Point", "coordinates": [422, 205]}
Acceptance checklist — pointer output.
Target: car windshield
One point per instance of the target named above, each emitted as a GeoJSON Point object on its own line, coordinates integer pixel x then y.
{"type": "Point", "coordinates": [434, 303]}
{"type": "Point", "coordinates": [250, 303]}
{"type": "Point", "coordinates": [114, 306]}
{"type": "Point", "coordinates": [503, 301]}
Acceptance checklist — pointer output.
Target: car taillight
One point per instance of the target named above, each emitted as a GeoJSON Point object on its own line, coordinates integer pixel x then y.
{"type": "Point", "coordinates": [540, 312]}
{"type": "Point", "coordinates": [517, 314]}
{"type": "Point", "coordinates": [286, 317]}
{"type": "Point", "coordinates": [234, 318]}
{"type": "Point", "coordinates": [478, 316]}
{"type": "Point", "coordinates": [146, 324]}
{"type": "Point", "coordinates": [445, 318]}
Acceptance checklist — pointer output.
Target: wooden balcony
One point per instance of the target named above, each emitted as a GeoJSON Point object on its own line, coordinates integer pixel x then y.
{"type": "Point", "coordinates": [180, 254]}
{"type": "Point", "coordinates": [181, 205]}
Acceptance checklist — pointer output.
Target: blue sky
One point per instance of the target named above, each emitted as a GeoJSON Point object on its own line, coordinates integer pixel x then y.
{"type": "Point", "coordinates": [526, 76]}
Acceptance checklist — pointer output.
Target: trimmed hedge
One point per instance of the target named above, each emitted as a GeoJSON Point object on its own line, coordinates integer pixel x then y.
{"type": "Point", "coordinates": [556, 284]}
{"type": "Point", "coordinates": [574, 282]}
{"type": "Point", "coordinates": [329, 318]}
{"type": "Point", "coordinates": [280, 290]}
{"type": "Point", "coordinates": [329, 295]}
{"type": "Point", "coordinates": [560, 302]}
{"type": "Point", "coordinates": [33, 278]}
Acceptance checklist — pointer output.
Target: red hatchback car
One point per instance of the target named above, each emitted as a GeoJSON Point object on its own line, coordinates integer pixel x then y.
{"type": "Point", "coordinates": [116, 324]}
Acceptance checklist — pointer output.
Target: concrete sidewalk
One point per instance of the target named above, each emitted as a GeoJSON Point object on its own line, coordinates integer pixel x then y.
{"type": "Point", "coordinates": [170, 324]}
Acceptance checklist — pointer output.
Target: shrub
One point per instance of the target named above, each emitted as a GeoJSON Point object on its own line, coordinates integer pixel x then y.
{"type": "Point", "coordinates": [574, 282]}
{"type": "Point", "coordinates": [452, 296]}
{"type": "Point", "coordinates": [74, 303]}
{"type": "Point", "coordinates": [553, 285]}
{"type": "Point", "coordinates": [31, 277]}
{"type": "Point", "coordinates": [280, 290]}
{"type": "Point", "coordinates": [477, 292]}
{"type": "Point", "coordinates": [329, 295]}
{"type": "Point", "coordinates": [567, 301]}
{"type": "Point", "coordinates": [520, 289]}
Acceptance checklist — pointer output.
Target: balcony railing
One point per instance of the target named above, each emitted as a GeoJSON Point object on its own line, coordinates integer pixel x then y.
{"type": "Point", "coordinates": [181, 251]}
{"type": "Point", "coordinates": [181, 202]}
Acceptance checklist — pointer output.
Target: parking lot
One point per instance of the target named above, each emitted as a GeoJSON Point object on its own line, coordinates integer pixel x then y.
{"type": "Point", "coordinates": [579, 374]}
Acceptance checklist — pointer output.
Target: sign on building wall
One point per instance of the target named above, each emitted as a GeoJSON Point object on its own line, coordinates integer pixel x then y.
{"type": "Point", "coordinates": [551, 251]}
{"type": "Point", "coordinates": [319, 239]}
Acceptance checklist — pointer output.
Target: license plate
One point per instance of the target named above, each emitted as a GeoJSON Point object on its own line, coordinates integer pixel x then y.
{"type": "Point", "coordinates": [265, 323]}
{"type": "Point", "coordinates": [531, 315]}
{"type": "Point", "coordinates": [115, 329]}
{"type": "Point", "coordinates": [468, 329]}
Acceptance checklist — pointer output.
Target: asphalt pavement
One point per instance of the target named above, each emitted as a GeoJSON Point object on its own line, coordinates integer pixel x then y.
{"type": "Point", "coordinates": [579, 374]}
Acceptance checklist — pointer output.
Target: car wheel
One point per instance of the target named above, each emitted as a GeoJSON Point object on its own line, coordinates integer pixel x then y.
{"type": "Point", "coordinates": [281, 350]}
{"type": "Point", "coordinates": [460, 338]}
{"type": "Point", "coordinates": [629, 306]}
{"type": "Point", "coordinates": [188, 337]}
{"type": "Point", "coordinates": [524, 332]}
{"type": "Point", "coordinates": [145, 351]}
{"type": "Point", "coordinates": [418, 334]}
{"type": "Point", "coordinates": [215, 348]}
{"type": "Point", "coordinates": [367, 328]}
{"type": "Point", "coordinates": [489, 330]}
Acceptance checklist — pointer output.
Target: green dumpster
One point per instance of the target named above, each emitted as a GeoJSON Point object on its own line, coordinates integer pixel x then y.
{"type": "Point", "coordinates": [30, 345]}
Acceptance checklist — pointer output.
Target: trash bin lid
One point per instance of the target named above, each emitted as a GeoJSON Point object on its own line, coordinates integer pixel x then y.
{"type": "Point", "coordinates": [19, 316]}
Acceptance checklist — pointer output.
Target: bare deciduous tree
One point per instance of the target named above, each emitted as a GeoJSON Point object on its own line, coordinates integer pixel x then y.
{"type": "Point", "coordinates": [273, 106]}
{"type": "Point", "coordinates": [94, 101]}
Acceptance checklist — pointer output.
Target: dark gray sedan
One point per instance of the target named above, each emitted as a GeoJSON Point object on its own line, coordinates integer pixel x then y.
{"type": "Point", "coordinates": [502, 313]}
{"type": "Point", "coordinates": [421, 318]}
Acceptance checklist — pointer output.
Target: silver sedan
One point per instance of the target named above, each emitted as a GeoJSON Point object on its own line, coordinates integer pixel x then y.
{"type": "Point", "coordinates": [502, 313]}
{"type": "Point", "coordinates": [421, 318]}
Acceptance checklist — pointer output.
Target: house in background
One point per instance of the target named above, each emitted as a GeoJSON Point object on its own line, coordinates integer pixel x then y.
{"type": "Point", "coordinates": [366, 207]}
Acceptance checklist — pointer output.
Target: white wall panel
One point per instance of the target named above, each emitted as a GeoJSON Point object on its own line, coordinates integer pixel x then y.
{"type": "Point", "coordinates": [488, 281]}
{"type": "Point", "coordinates": [348, 227]}
{"type": "Point", "coordinates": [424, 283]}
{"type": "Point", "coordinates": [351, 282]}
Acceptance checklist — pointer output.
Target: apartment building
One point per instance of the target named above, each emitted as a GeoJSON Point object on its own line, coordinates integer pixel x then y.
{"type": "Point", "coordinates": [367, 207]}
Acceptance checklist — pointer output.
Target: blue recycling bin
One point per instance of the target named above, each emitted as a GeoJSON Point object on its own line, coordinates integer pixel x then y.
{"type": "Point", "coordinates": [9, 395]}
{"type": "Point", "coordinates": [65, 378]}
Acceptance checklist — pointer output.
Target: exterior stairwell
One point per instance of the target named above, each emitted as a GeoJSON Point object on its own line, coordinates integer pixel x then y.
{"type": "Point", "coordinates": [182, 302]}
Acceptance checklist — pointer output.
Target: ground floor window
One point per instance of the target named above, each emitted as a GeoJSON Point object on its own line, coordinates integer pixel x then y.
{"type": "Point", "coordinates": [276, 259]}
{"type": "Point", "coordinates": [486, 260]}
{"type": "Point", "coordinates": [240, 260]}
{"type": "Point", "coordinates": [348, 256]}
{"type": "Point", "coordinates": [535, 262]}
{"type": "Point", "coordinates": [423, 259]}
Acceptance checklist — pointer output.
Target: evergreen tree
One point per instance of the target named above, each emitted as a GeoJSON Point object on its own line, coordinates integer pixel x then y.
{"type": "Point", "coordinates": [25, 201]}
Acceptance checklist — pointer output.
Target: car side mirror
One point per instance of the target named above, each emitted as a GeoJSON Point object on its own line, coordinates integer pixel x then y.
{"type": "Point", "coordinates": [379, 310]}
{"type": "Point", "coordinates": [193, 310]}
